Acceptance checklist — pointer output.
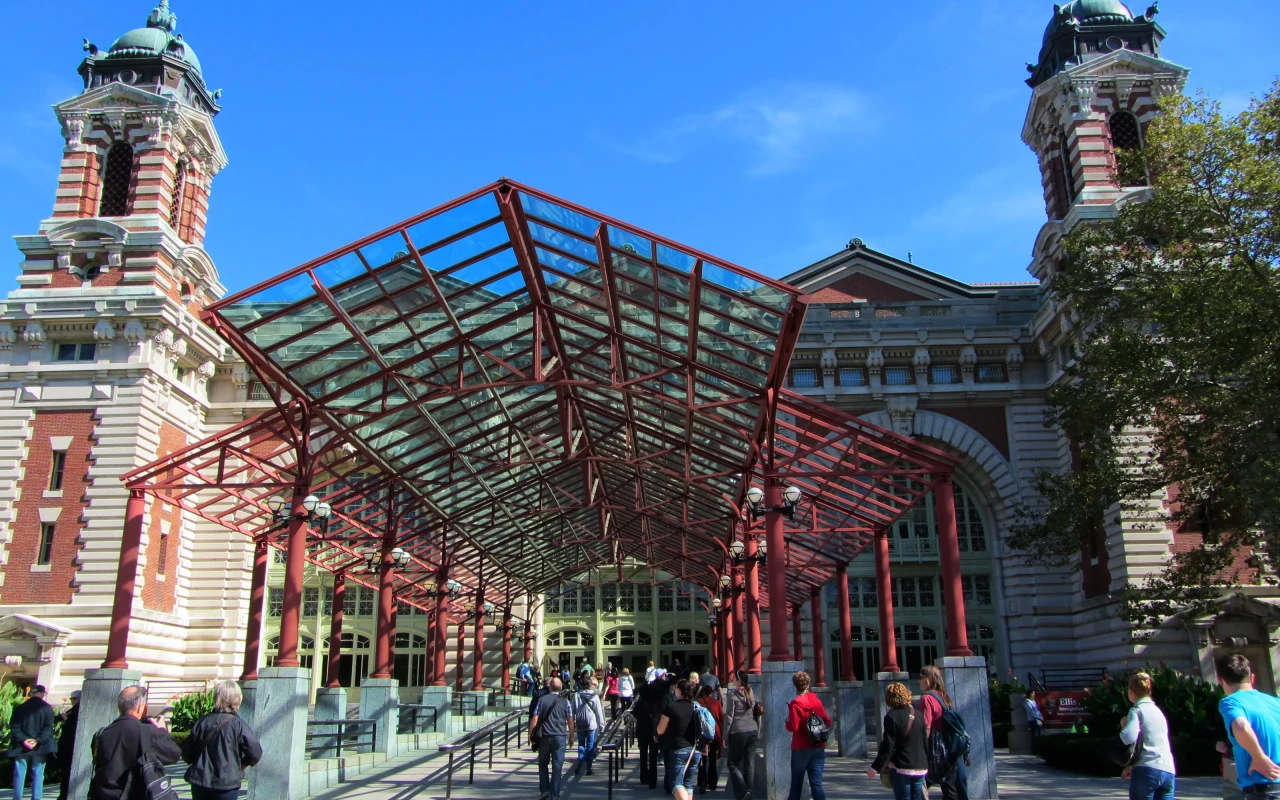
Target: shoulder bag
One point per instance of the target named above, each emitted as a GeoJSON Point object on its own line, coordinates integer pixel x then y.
{"type": "Point", "coordinates": [1126, 755]}
{"type": "Point", "coordinates": [150, 775]}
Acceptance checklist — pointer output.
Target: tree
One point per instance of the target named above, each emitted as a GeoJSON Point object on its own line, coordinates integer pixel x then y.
{"type": "Point", "coordinates": [1175, 390]}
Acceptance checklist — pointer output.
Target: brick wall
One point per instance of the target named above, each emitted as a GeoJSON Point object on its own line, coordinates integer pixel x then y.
{"type": "Point", "coordinates": [56, 584]}
{"type": "Point", "coordinates": [163, 541]}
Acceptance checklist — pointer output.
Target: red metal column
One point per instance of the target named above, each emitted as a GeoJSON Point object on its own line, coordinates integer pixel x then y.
{"type": "Point", "coordinates": [442, 628]}
{"type": "Point", "coordinates": [431, 651]}
{"type": "Point", "coordinates": [126, 577]}
{"type": "Point", "coordinates": [335, 629]}
{"type": "Point", "coordinates": [462, 656]}
{"type": "Point", "coordinates": [295, 563]}
{"type": "Point", "coordinates": [506, 650]}
{"type": "Point", "coordinates": [846, 621]}
{"type": "Point", "coordinates": [751, 634]}
{"type": "Point", "coordinates": [819, 647]}
{"type": "Point", "coordinates": [477, 679]}
{"type": "Point", "coordinates": [528, 640]}
{"type": "Point", "coordinates": [797, 635]}
{"type": "Point", "coordinates": [884, 592]}
{"type": "Point", "coordinates": [739, 645]}
{"type": "Point", "coordinates": [383, 665]}
{"type": "Point", "coordinates": [257, 596]}
{"type": "Point", "coordinates": [777, 574]}
{"type": "Point", "coordinates": [716, 658]}
{"type": "Point", "coordinates": [944, 509]}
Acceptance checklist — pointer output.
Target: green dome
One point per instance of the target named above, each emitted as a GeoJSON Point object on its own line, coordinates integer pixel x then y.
{"type": "Point", "coordinates": [1090, 12]}
{"type": "Point", "coordinates": [156, 38]}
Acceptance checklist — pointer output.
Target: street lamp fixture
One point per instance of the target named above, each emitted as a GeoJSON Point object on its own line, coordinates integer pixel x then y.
{"type": "Point", "coordinates": [489, 608]}
{"type": "Point", "coordinates": [717, 603]}
{"type": "Point", "coordinates": [738, 552]}
{"type": "Point", "coordinates": [315, 511]}
{"type": "Point", "coordinates": [791, 496]}
{"type": "Point", "coordinates": [725, 583]}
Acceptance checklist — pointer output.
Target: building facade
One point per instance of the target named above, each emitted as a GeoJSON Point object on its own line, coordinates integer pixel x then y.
{"type": "Point", "coordinates": [105, 366]}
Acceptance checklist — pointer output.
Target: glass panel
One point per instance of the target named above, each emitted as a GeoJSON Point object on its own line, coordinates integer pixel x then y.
{"type": "Point", "coordinates": [454, 221]}
{"type": "Point", "coordinates": [554, 212]}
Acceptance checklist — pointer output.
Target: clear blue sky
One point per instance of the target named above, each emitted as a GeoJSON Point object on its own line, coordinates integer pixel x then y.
{"type": "Point", "coordinates": [765, 133]}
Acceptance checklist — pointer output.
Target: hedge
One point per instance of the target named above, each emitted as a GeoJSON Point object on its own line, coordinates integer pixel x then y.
{"type": "Point", "coordinates": [1090, 755]}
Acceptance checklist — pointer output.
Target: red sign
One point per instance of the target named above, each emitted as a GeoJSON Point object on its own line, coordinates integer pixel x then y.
{"type": "Point", "coordinates": [1063, 709]}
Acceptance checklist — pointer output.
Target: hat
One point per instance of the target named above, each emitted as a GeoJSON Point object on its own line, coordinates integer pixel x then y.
{"type": "Point", "coordinates": [38, 689]}
{"type": "Point", "coordinates": [75, 694]}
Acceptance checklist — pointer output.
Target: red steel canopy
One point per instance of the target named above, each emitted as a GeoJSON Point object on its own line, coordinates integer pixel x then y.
{"type": "Point", "coordinates": [524, 390]}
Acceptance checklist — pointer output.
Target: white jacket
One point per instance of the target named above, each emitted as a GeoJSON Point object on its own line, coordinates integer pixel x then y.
{"type": "Point", "coordinates": [1147, 720]}
{"type": "Point", "coordinates": [627, 686]}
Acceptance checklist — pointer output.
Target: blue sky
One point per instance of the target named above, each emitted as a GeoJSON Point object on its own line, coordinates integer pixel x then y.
{"type": "Point", "coordinates": [765, 133]}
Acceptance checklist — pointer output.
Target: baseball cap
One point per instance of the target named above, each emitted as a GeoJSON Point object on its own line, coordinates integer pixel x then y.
{"type": "Point", "coordinates": [38, 689]}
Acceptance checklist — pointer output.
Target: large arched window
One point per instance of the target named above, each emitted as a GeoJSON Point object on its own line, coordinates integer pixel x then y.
{"type": "Point", "coordinates": [117, 177]}
{"type": "Point", "coordinates": [1068, 179]}
{"type": "Point", "coordinates": [1126, 139]}
{"type": "Point", "coordinates": [866, 652]}
{"type": "Point", "coordinates": [179, 186]}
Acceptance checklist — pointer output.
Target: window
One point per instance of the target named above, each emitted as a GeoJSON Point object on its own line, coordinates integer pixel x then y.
{"type": "Point", "coordinates": [587, 600]}
{"type": "Point", "coordinates": [897, 376]}
{"type": "Point", "coordinates": [977, 590]}
{"type": "Point", "coordinates": [627, 598]}
{"type": "Point", "coordinates": [78, 351]}
{"type": "Point", "coordinates": [804, 378]}
{"type": "Point", "coordinates": [46, 543]}
{"type": "Point", "coordinates": [969, 528]}
{"type": "Point", "coordinates": [945, 374]}
{"type": "Point", "coordinates": [683, 601]}
{"type": "Point", "coordinates": [866, 651]}
{"type": "Point", "coordinates": [349, 600]}
{"type": "Point", "coordinates": [175, 209]}
{"type": "Point", "coordinates": [117, 176]}
{"type": "Point", "coordinates": [280, 556]}
{"type": "Point", "coordinates": [684, 636]}
{"type": "Point", "coordinates": [925, 586]}
{"type": "Point", "coordinates": [666, 599]}
{"type": "Point", "coordinates": [851, 376]}
{"type": "Point", "coordinates": [644, 598]}
{"type": "Point", "coordinates": [569, 602]}
{"type": "Point", "coordinates": [917, 646]}
{"type": "Point", "coordinates": [275, 601]}
{"type": "Point", "coordinates": [310, 601]}
{"type": "Point", "coordinates": [904, 592]}
{"type": "Point", "coordinates": [328, 603]}
{"type": "Point", "coordinates": [982, 640]}
{"type": "Point", "coordinates": [366, 603]}
{"type": "Point", "coordinates": [553, 640]}
{"type": "Point", "coordinates": [701, 637]}
{"type": "Point", "coordinates": [1068, 179]}
{"type": "Point", "coordinates": [1126, 140]}
{"type": "Point", "coordinates": [609, 598]}
{"type": "Point", "coordinates": [56, 470]}
{"type": "Point", "coordinates": [989, 373]}
{"type": "Point", "coordinates": [162, 559]}
{"type": "Point", "coordinates": [257, 391]}
{"type": "Point", "coordinates": [868, 591]}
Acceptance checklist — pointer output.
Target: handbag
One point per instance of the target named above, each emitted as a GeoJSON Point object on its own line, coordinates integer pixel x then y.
{"type": "Point", "coordinates": [885, 779]}
{"type": "Point", "coordinates": [1125, 755]}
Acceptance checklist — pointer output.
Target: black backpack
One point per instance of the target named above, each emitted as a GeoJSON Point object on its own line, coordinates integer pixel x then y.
{"type": "Point", "coordinates": [817, 730]}
{"type": "Point", "coordinates": [948, 742]}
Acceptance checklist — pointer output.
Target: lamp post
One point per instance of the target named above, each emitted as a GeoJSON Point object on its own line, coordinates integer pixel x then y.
{"type": "Point", "coordinates": [772, 503]}
{"type": "Point", "coordinates": [304, 511]}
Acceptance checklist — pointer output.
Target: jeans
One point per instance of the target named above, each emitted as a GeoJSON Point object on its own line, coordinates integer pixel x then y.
{"type": "Point", "coordinates": [709, 768]}
{"type": "Point", "coordinates": [201, 793]}
{"type": "Point", "coordinates": [551, 765]}
{"type": "Point", "coordinates": [808, 761]}
{"type": "Point", "coordinates": [955, 784]}
{"type": "Point", "coordinates": [907, 787]}
{"type": "Point", "coordinates": [586, 749]}
{"type": "Point", "coordinates": [20, 767]}
{"type": "Point", "coordinates": [742, 763]}
{"type": "Point", "coordinates": [684, 767]}
{"type": "Point", "coordinates": [1262, 791]}
{"type": "Point", "coordinates": [648, 757]}
{"type": "Point", "coordinates": [1149, 783]}
{"type": "Point", "coordinates": [668, 770]}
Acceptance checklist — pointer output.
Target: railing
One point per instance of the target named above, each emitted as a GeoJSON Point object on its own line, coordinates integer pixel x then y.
{"type": "Point", "coordinates": [412, 718]}
{"type": "Point", "coordinates": [162, 693]}
{"type": "Point", "coordinates": [473, 740]}
{"type": "Point", "coordinates": [329, 738]}
{"type": "Point", "coordinates": [615, 741]}
{"type": "Point", "coordinates": [913, 547]}
{"type": "Point", "coordinates": [1065, 679]}
{"type": "Point", "coordinates": [469, 704]}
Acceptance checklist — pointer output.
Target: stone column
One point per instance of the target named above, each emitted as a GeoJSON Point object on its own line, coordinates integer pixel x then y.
{"type": "Point", "coordinates": [380, 702]}
{"type": "Point", "coordinates": [752, 633]}
{"type": "Point", "coordinates": [331, 703]}
{"type": "Point", "coordinates": [883, 679]}
{"type": "Point", "coordinates": [442, 698]}
{"type": "Point", "coordinates": [969, 687]}
{"type": "Point", "coordinates": [249, 702]}
{"type": "Point", "coordinates": [851, 718]}
{"type": "Point", "coordinates": [884, 595]}
{"type": "Point", "coordinates": [335, 633]}
{"type": "Point", "coordinates": [1020, 736]}
{"type": "Point", "coordinates": [776, 690]}
{"type": "Point", "coordinates": [98, 696]}
{"type": "Point", "coordinates": [819, 646]}
{"type": "Point", "coordinates": [281, 718]}
{"type": "Point", "coordinates": [295, 565]}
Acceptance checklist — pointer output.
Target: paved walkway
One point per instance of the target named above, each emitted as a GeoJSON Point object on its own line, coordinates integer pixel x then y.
{"type": "Point", "coordinates": [419, 777]}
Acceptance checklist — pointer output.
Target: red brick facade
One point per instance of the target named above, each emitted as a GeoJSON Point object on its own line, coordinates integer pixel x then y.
{"type": "Point", "coordinates": [162, 542]}
{"type": "Point", "coordinates": [56, 584]}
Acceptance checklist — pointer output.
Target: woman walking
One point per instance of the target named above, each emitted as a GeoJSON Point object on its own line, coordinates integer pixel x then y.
{"type": "Point", "coordinates": [679, 730]}
{"type": "Point", "coordinates": [743, 731]}
{"type": "Point", "coordinates": [626, 687]}
{"type": "Point", "coordinates": [1151, 775]}
{"type": "Point", "coordinates": [709, 769]}
{"type": "Point", "coordinates": [903, 750]}
{"type": "Point", "coordinates": [955, 780]}
{"type": "Point", "coordinates": [611, 692]}
{"type": "Point", "coordinates": [808, 757]}
{"type": "Point", "coordinates": [219, 747]}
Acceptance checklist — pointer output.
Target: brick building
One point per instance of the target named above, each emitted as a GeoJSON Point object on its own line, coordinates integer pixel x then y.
{"type": "Point", "coordinates": [105, 366]}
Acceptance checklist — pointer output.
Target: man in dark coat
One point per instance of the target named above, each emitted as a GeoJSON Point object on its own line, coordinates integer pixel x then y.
{"type": "Point", "coordinates": [117, 746]}
{"type": "Point", "coordinates": [31, 742]}
{"type": "Point", "coordinates": [67, 742]}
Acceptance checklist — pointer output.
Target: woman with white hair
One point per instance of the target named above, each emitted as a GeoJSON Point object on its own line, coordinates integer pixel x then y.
{"type": "Point", "coordinates": [220, 746]}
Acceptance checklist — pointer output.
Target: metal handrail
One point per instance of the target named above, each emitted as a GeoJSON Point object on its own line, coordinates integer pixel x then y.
{"type": "Point", "coordinates": [416, 712]}
{"type": "Point", "coordinates": [337, 739]}
{"type": "Point", "coordinates": [615, 740]}
{"type": "Point", "coordinates": [472, 740]}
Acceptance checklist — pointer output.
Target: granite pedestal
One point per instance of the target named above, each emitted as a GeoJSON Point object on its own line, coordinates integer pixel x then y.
{"type": "Point", "coordinates": [380, 702]}
{"type": "Point", "coordinates": [475, 702]}
{"type": "Point", "coordinates": [98, 696]}
{"type": "Point", "coordinates": [969, 686]}
{"type": "Point", "coordinates": [851, 719]}
{"type": "Point", "coordinates": [776, 690]}
{"type": "Point", "coordinates": [1020, 737]}
{"type": "Point", "coordinates": [248, 702]}
{"type": "Point", "coordinates": [442, 698]}
{"type": "Point", "coordinates": [281, 725]}
{"type": "Point", "coordinates": [883, 679]}
{"type": "Point", "coordinates": [331, 703]}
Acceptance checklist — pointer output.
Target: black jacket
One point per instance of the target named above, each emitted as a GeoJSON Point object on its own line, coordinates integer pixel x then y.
{"type": "Point", "coordinates": [67, 739]}
{"type": "Point", "coordinates": [907, 750]}
{"type": "Point", "coordinates": [32, 720]}
{"type": "Point", "coordinates": [115, 753]}
{"type": "Point", "coordinates": [219, 748]}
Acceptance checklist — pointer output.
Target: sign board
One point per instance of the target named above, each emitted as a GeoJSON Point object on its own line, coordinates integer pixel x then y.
{"type": "Point", "coordinates": [1063, 709]}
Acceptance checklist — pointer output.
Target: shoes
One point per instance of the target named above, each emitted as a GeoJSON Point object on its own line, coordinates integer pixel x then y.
{"type": "Point", "coordinates": [747, 796]}
{"type": "Point", "coordinates": [588, 770]}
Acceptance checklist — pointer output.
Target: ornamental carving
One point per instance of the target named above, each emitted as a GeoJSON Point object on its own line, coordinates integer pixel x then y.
{"type": "Point", "coordinates": [134, 331]}
{"type": "Point", "coordinates": [7, 334]}
{"type": "Point", "coordinates": [104, 331]}
{"type": "Point", "coordinates": [33, 334]}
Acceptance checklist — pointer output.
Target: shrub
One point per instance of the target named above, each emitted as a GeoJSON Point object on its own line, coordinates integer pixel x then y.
{"type": "Point", "coordinates": [1188, 702]}
{"type": "Point", "coordinates": [1000, 696]}
{"type": "Point", "coordinates": [1090, 754]}
{"type": "Point", "coordinates": [188, 708]}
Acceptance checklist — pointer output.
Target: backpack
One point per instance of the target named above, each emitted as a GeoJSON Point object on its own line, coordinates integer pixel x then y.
{"type": "Point", "coordinates": [583, 713]}
{"type": "Point", "coordinates": [817, 730]}
{"type": "Point", "coordinates": [948, 742]}
{"type": "Point", "coordinates": [706, 724]}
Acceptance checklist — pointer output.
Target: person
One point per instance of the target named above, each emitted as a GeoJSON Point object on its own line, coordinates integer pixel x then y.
{"type": "Point", "coordinates": [219, 747]}
{"type": "Point", "coordinates": [648, 710]}
{"type": "Point", "coordinates": [67, 741]}
{"type": "Point", "coordinates": [586, 669]}
{"type": "Point", "coordinates": [710, 679]}
{"type": "Point", "coordinates": [588, 720]}
{"type": "Point", "coordinates": [904, 747]}
{"type": "Point", "coordinates": [955, 780]}
{"type": "Point", "coordinates": [678, 730]}
{"type": "Point", "coordinates": [807, 758]}
{"type": "Point", "coordinates": [677, 670]}
{"type": "Point", "coordinates": [626, 687]}
{"type": "Point", "coordinates": [1035, 718]}
{"type": "Point", "coordinates": [743, 732]}
{"type": "Point", "coordinates": [650, 673]}
{"type": "Point", "coordinates": [31, 742]}
{"type": "Point", "coordinates": [116, 747]}
{"type": "Point", "coordinates": [1151, 775]}
{"type": "Point", "coordinates": [1253, 729]}
{"type": "Point", "coordinates": [611, 692]}
{"type": "Point", "coordinates": [549, 724]}
{"type": "Point", "coordinates": [708, 768]}
{"type": "Point", "coordinates": [525, 673]}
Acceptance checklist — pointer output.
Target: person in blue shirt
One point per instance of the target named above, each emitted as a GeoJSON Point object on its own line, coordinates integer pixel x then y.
{"type": "Point", "coordinates": [1253, 726]}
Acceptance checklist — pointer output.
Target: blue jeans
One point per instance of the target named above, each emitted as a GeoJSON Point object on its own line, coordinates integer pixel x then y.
{"type": "Point", "coordinates": [809, 761]}
{"type": "Point", "coordinates": [906, 787]}
{"type": "Point", "coordinates": [20, 766]}
{"type": "Point", "coordinates": [551, 765]}
{"type": "Point", "coordinates": [684, 768]}
{"type": "Point", "coordinates": [586, 748]}
{"type": "Point", "coordinates": [1149, 783]}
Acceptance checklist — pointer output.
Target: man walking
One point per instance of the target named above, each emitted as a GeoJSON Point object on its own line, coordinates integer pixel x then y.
{"type": "Point", "coordinates": [549, 726]}
{"type": "Point", "coordinates": [116, 747]}
{"type": "Point", "coordinates": [1253, 726]}
{"type": "Point", "coordinates": [67, 742]}
{"type": "Point", "coordinates": [31, 743]}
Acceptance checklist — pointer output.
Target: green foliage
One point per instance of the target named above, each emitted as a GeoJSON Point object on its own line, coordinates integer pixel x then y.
{"type": "Point", "coordinates": [1000, 694]}
{"type": "Point", "coordinates": [1176, 381]}
{"type": "Point", "coordinates": [1188, 702]}
{"type": "Point", "coordinates": [1090, 754]}
{"type": "Point", "coordinates": [188, 708]}
{"type": "Point", "coordinates": [10, 698]}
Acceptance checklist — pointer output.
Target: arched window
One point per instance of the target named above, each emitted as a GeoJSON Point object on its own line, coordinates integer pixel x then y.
{"type": "Point", "coordinates": [982, 640]}
{"type": "Point", "coordinates": [1126, 140]}
{"type": "Point", "coordinates": [1068, 180]}
{"type": "Point", "coordinates": [117, 176]}
{"type": "Point", "coordinates": [866, 651]}
{"type": "Point", "coordinates": [917, 646]}
{"type": "Point", "coordinates": [179, 186]}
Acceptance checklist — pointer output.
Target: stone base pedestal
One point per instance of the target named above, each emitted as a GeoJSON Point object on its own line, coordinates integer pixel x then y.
{"type": "Point", "coordinates": [475, 702]}
{"type": "Point", "coordinates": [98, 697]}
{"type": "Point", "coordinates": [380, 702]}
{"type": "Point", "coordinates": [281, 716]}
{"type": "Point", "coordinates": [331, 703]}
{"type": "Point", "coordinates": [969, 687]}
{"type": "Point", "coordinates": [1020, 737]}
{"type": "Point", "coordinates": [776, 690]}
{"type": "Point", "coordinates": [883, 679]}
{"type": "Point", "coordinates": [851, 719]}
{"type": "Point", "coordinates": [442, 698]}
{"type": "Point", "coordinates": [249, 702]}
